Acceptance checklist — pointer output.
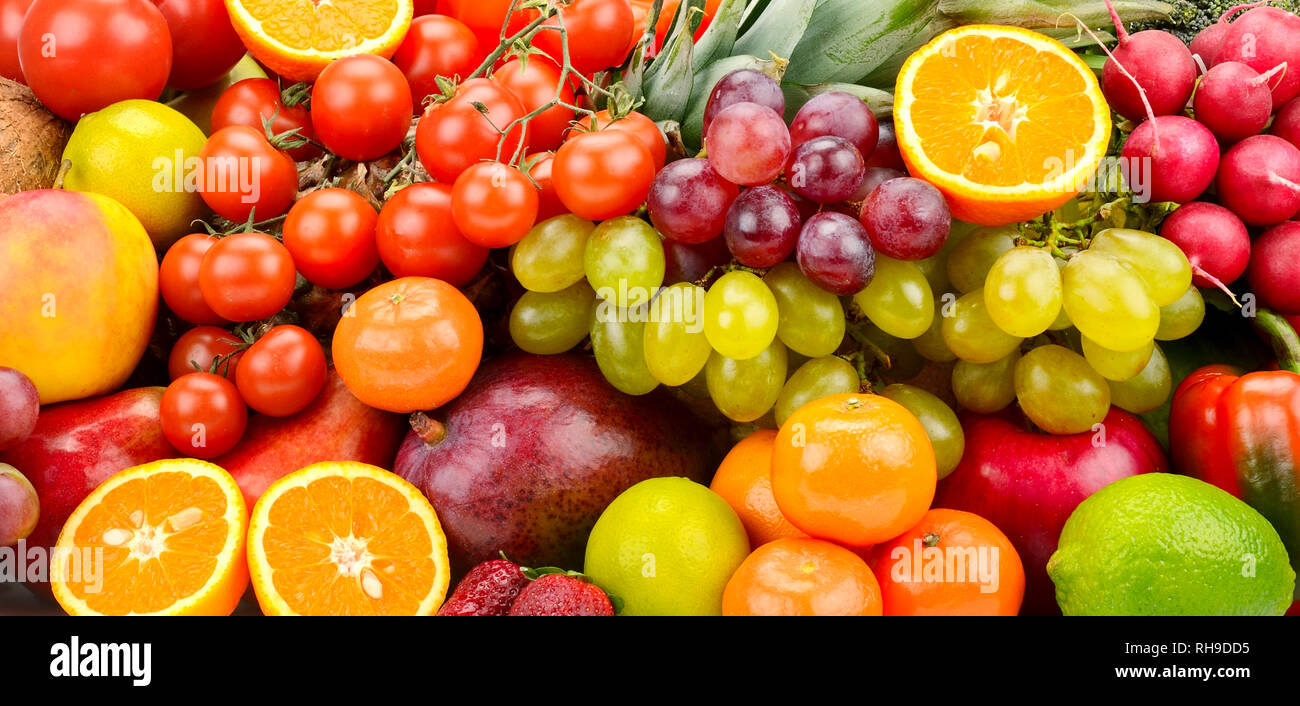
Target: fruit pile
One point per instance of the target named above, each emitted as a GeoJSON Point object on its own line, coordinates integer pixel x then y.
{"type": "Point", "coordinates": [724, 307]}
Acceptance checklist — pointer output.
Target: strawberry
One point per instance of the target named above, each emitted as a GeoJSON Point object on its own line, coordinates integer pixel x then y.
{"type": "Point", "coordinates": [561, 594]}
{"type": "Point", "coordinates": [488, 589]}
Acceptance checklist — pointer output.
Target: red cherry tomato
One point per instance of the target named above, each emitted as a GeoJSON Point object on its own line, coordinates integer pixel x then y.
{"type": "Point", "coordinates": [203, 415]}
{"type": "Point", "coordinates": [82, 55]}
{"type": "Point", "coordinates": [283, 372]}
{"type": "Point", "coordinates": [432, 7]}
{"type": "Point", "coordinates": [633, 123]}
{"type": "Point", "coordinates": [244, 175]}
{"type": "Point", "coordinates": [11, 20]}
{"type": "Point", "coordinates": [435, 46]}
{"type": "Point", "coordinates": [485, 19]}
{"type": "Point", "coordinates": [494, 205]}
{"type": "Point", "coordinates": [197, 348]}
{"type": "Point", "coordinates": [600, 175]}
{"type": "Point", "coordinates": [178, 279]}
{"type": "Point", "coordinates": [548, 201]}
{"type": "Point", "coordinates": [331, 235]}
{"type": "Point", "coordinates": [641, 9]}
{"type": "Point", "coordinates": [253, 100]}
{"type": "Point", "coordinates": [599, 31]}
{"type": "Point", "coordinates": [204, 44]}
{"type": "Point", "coordinates": [417, 237]}
{"type": "Point", "coordinates": [247, 277]}
{"type": "Point", "coordinates": [454, 135]}
{"type": "Point", "coordinates": [534, 82]}
{"type": "Point", "coordinates": [361, 107]}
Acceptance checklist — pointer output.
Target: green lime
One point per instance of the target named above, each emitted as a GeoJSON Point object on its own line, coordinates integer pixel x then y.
{"type": "Point", "coordinates": [666, 546]}
{"type": "Point", "coordinates": [1163, 544]}
{"type": "Point", "coordinates": [145, 156]}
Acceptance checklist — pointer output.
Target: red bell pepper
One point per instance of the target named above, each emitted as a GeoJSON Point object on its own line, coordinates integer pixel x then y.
{"type": "Point", "coordinates": [1241, 432]}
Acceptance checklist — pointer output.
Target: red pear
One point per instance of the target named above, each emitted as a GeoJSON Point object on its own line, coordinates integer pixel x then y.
{"type": "Point", "coordinates": [336, 426]}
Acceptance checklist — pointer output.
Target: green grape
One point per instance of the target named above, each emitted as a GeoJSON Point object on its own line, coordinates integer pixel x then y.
{"type": "Point", "coordinates": [930, 344]}
{"type": "Point", "coordinates": [1059, 391]}
{"type": "Point", "coordinates": [818, 378]}
{"type": "Point", "coordinates": [972, 258]}
{"type": "Point", "coordinates": [676, 348]}
{"type": "Point", "coordinates": [899, 299]}
{"type": "Point", "coordinates": [938, 420]}
{"type": "Point", "coordinates": [1023, 291]}
{"type": "Point", "coordinates": [551, 256]}
{"type": "Point", "coordinates": [1115, 365]}
{"type": "Point", "coordinates": [1062, 319]}
{"type": "Point", "coordinates": [740, 315]}
{"type": "Point", "coordinates": [1183, 317]}
{"type": "Point", "coordinates": [811, 319]}
{"type": "Point", "coordinates": [903, 361]}
{"type": "Point", "coordinates": [1160, 263]}
{"type": "Point", "coordinates": [972, 335]}
{"type": "Point", "coordinates": [624, 261]}
{"type": "Point", "coordinates": [745, 390]}
{"type": "Point", "coordinates": [935, 269]}
{"type": "Point", "coordinates": [618, 340]}
{"type": "Point", "coordinates": [1146, 391]}
{"type": "Point", "coordinates": [1109, 302]}
{"type": "Point", "coordinates": [986, 387]}
{"type": "Point", "coordinates": [552, 323]}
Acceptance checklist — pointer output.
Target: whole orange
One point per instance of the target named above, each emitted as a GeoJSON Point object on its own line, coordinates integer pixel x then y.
{"type": "Point", "coordinates": [951, 563]}
{"type": "Point", "coordinates": [744, 480]}
{"type": "Point", "coordinates": [801, 576]}
{"type": "Point", "coordinates": [852, 468]}
{"type": "Point", "coordinates": [407, 345]}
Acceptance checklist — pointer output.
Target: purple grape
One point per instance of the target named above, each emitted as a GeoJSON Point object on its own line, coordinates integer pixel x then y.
{"type": "Point", "coordinates": [837, 114]}
{"type": "Point", "coordinates": [743, 86]}
{"type": "Point", "coordinates": [688, 201]}
{"type": "Point", "coordinates": [807, 207]}
{"type": "Point", "coordinates": [886, 153]}
{"type": "Point", "coordinates": [835, 253]}
{"type": "Point", "coordinates": [907, 219]}
{"type": "Point", "coordinates": [748, 144]}
{"type": "Point", "coordinates": [875, 176]}
{"type": "Point", "coordinates": [762, 227]}
{"type": "Point", "coordinates": [827, 169]}
{"type": "Point", "coordinates": [690, 263]}
{"type": "Point", "coordinates": [19, 407]}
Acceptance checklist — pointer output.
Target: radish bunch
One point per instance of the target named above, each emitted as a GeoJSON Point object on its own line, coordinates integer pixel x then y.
{"type": "Point", "coordinates": [1240, 78]}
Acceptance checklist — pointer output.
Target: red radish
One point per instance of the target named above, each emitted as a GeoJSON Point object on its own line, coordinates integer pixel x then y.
{"type": "Point", "coordinates": [1160, 65]}
{"type": "Point", "coordinates": [1263, 38]}
{"type": "Point", "coordinates": [1183, 156]}
{"type": "Point", "coordinates": [1286, 124]}
{"type": "Point", "coordinates": [1234, 100]}
{"type": "Point", "coordinates": [1214, 240]}
{"type": "Point", "coordinates": [1259, 180]}
{"type": "Point", "coordinates": [1208, 43]}
{"type": "Point", "coordinates": [1275, 269]}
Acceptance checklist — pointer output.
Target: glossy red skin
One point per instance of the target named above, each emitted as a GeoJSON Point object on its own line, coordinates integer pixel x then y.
{"type": "Point", "coordinates": [567, 444]}
{"type": "Point", "coordinates": [331, 235]}
{"type": "Point", "coordinates": [558, 595]}
{"type": "Point", "coordinates": [78, 445]}
{"type": "Point", "coordinates": [1262, 38]}
{"type": "Point", "coordinates": [1195, 428]}
{"type": "Point", "coordinates": [1027, 483]}
{"type": "Point", "coordinates": [283, 372]}
{"type": "Point", "coordinates": [204, 44]}
{"type": "Point", "coordinates": [178, 279]}
{"type": "Point", "coordinates": [11, 20]}
{"type": "Point", "coordinates": [454, 135]}
{"type": "Point", "coordinates": [276, 175]}
{"type": "Point", "coordinates": [489, 589]}
{"type": "Point", "coordinates": [548, 201]}
{"type": "Point", "coordinates": [1287, 123]}
{"type": "Point", "coordinates": [599, 34]}
{"type": "Point", "coordinates": [1274, 271]}
{"type": "Point", "coordinates": [1214, 240]}
{"type": "Point", "coordinates": [200, 346]}
{"type": "Point", "coordinates": [417, 237]}
{"type": "Point", "coordinates": [336, 426]}
{"type": "Point", "coordinates": [1162, 65]}
{"type": "Point", "coordinates": [124, 51]}
{"type": "Point", "coordinates": [1249, 429]}
{"type": "Point", "coordinates": [433, 47]}
{"type": "Point", "coordinates": [534, 82]}
{"type": "Point", "coordinates": [1183, 155]}
{"type": "Point", "coordinates": [361, 107]}
{"type": "Point", "coordinates": [205, 399]}
{"type": "Point", "coordinates": [253, 100]}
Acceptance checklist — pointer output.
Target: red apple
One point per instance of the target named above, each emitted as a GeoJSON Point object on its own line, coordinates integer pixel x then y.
{"type": "Point", "coordinates": [336, 426]}
{"type": "Point", "coordinates": [1027, 483]}
{"type": "Point", "coordinates": [78, 445]}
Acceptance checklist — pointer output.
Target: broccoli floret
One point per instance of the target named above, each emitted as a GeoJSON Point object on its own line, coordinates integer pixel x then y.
{"type": "Point", "coordinates": [1191, 16]}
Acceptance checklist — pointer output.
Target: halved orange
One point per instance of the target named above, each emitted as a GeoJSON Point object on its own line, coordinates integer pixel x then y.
{"type": "Point", "coordinates": [299, 38]}
{"type": "Point", "coordinates": [165, 538]}
{"type": "Point", "coordinates": [346, 539]}
{"type": "Point", "coordinates": [1009, 124]}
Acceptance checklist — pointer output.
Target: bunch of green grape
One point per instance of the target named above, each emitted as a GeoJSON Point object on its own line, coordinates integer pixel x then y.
{"type": "Point", "coordinates": [760, 343]}
{"type": "Point", "coordinates": [1064, 335]}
